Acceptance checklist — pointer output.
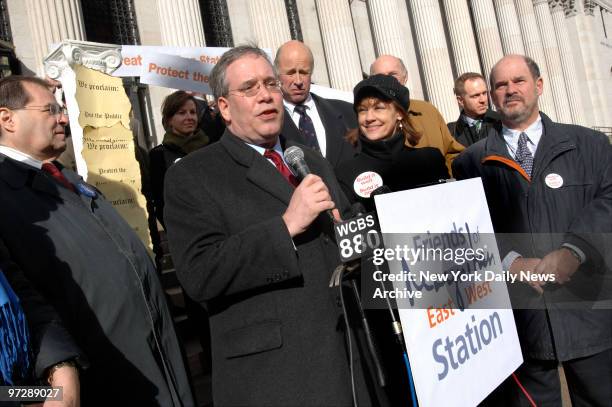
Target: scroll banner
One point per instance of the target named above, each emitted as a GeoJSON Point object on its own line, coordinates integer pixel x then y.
{"type": "Point", "coordinates": [108, 147]}
{"type": "Point", "coordinates": [171, 67]}
{"type": "Point", "coordinates": [458, 355]}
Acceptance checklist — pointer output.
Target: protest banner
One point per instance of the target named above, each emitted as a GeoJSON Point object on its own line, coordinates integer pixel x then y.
{"type": "Point", "coordinates": [99, 112]}
{"type": "Point", "coordinates": [459, 330]}
{"type": "Point", "coordinates": [132, 56]}
{"type": "Point", "coordinates": [175, 72]}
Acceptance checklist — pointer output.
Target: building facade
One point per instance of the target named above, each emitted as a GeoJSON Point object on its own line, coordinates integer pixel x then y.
{"type": "Point", "coordinates": [438, 40]}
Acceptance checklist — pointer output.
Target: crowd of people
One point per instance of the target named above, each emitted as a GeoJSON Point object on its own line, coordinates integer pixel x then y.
{"type": "Point", "coordinates": [253, 243]}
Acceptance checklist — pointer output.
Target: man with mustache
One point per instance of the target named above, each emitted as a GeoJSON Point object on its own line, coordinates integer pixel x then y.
{"type": "Point", "coordinates": [84, 259]}
{"type": "Point", "coordinates": [549, 187]}
{"type": "Point", "coordinates": [473, 99]}
{"type": "Point", "coordinates": [255, 248]}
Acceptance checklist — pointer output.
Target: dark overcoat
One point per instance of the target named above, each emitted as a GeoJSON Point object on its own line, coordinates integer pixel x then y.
{"type": "Point", "coordinates": [275, 323]}
{"type": "Point", "coordinates": [539, 216]}
{"type": "Point", "coordinates": [88, 263]}
{"type": "Point", "coordinates": [337, 117]}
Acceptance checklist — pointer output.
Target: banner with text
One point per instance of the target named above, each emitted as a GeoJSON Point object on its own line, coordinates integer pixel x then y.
{"type": "Point", "coordinates": [175, 72]}
{"type": "Point", "coordinates": [108, 147]}
{"type": "Point", "coordinates": [459, 349]}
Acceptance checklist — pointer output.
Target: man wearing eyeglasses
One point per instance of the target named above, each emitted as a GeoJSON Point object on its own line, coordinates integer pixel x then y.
{"type": "Point", "coordinates": [311, 120]}
{"type": "Point", "coordinates": [254, 247]}
{"type": "Point", "coordinates": [84, 259]}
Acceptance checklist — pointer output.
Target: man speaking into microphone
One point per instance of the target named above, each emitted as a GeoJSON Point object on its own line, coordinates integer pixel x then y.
{"type": "Point", "coordinates": [253, 245]}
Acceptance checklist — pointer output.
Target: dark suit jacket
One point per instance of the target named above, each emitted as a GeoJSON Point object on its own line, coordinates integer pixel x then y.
{"type": "Point", "coordinates": [337, 117]}
{"type": "Point", "coordinates": [88, 263]}
{"type": "Point", "coordinates": [274, 321]}
{"type": "Point", "coordinates": [467, 135]}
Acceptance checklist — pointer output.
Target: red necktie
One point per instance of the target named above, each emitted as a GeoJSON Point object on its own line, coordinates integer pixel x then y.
{"type": "Point", "coordinates": [51, 169]}
{"type": "Point", "coordinates": [280, 166]}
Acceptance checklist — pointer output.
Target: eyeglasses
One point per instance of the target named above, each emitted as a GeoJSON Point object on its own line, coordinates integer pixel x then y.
{"type": "Point", "coordinates": [54, 109]}
{"type": "Point", "coordinates": [251, 89]}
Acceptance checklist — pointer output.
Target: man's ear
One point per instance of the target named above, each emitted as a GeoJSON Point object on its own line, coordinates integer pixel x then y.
{"type": "Point", "coordinates": [460, 101]}
{"type": "Point", "coordinates": [223, 106]}
{"type": "Point", "coordinates": [540, 86]}
{"type": "Point", "coordinates": [7, 119]}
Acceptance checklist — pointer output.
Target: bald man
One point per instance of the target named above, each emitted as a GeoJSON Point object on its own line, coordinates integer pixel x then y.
{"type": "Point", "coordinates": [424, 116]}
{"type": "Point", "coordinates": [311, 120]}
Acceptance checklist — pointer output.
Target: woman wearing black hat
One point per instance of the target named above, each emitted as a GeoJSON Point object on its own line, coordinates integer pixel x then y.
{"type": "Point", "coordinates": [384, 140]}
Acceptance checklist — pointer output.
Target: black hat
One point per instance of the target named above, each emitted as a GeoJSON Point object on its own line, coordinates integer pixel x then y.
{"type": "Point", "coordinates": [384, 85]}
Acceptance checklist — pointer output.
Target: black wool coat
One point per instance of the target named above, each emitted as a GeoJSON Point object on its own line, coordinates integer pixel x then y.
{"type": "Point", "coordinates": [276, 331]}
{"type": "Point", "coordinates": [400, 167]}
{"type": "Point", "coordinates": [467, 135]}
{"type": "Point", "coordinates": [88, 264]}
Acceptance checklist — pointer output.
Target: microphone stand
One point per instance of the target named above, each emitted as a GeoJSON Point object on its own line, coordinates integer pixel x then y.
{"type": "Point", "coordinates": [343, 272]}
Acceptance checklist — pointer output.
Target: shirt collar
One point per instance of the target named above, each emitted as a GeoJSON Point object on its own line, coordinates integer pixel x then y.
{"type": "Point", "coordinates": [470, 122]}
{"type": "Point", "coordinates": [261, 150]}
{"type": "Point", "coordinates": [534, 132]}
{"type": "Point", "coordinates": [21, 157]}
{"type": "Point", "coordinates": [309, 103]}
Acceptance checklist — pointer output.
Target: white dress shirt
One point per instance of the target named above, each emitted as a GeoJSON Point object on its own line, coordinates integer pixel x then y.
{"type": "Point", "coordinates": [313, 113]}
{"type": "Point", "coordinates": [534, 134]}
{"type": "Point", "coordinates": [21, 157]}
{"type": "Point", "coordinates": [277, 147]}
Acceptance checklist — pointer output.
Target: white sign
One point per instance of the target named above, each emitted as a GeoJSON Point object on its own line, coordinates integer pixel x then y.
{"type": "Point", "coordinates": [330, 93]}
{"type": "Point", "coordinates": [175, 72]}
{"type": "Point", "coordinates": [460, 334]}
{"type": "Point", "coordinates": [133, 56]}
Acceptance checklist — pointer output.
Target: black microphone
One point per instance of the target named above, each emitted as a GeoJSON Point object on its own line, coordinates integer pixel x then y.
{"type": "Point", "coordinates": [294, 157]}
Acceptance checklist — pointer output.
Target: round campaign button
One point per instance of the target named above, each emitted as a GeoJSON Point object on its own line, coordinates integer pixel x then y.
{"type": "Point", "coordinates": [554, 181]}
{"type": "Point", "coordinates": [86, 189]}
{"type": "Point", "coordinates": [366, 182]}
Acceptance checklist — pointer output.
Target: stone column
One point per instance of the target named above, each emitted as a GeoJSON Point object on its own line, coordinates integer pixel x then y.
{"type": "Point", "coordinates": [311, 32]}
{"type": "Point", "coordinates": [461, 34]}
{"type": "Point", "coordinates": [593, 66]}
{"type": "Point", "coordinates": [339, 43]}
{"type": "Point", "coordinates": [551, 53]}
{"type": "Point", "coordinates": [509, 29]}
{"type": "Point", "coordinates": [364, 35]}
{"type": "Point", "coordinates": [435, 58]}
{"type": "Point", "coordinates": [270, 23]}
{"type": "Point", "coordinates": [567, 63]}
{"type": "Point", "coordinates": [388, 34]}
{"type": "Point", "coordinates": [534, 50]}
{"type": "Point", "coordinates": [487, 32]}
{"type": "Point", "coordinates": [51, 22]}
{"type": "Point", "coordinates": [181, 23]}
{"type": "Point", "coordinates": [415, 83]}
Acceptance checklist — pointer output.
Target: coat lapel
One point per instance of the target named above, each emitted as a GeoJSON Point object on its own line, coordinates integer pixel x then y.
{"type": "Point", "coordinates": [259, 171]}
{"type": "Point", "coordinates": [334, 129]}
{"type": "Point", "coordinates": [18, 175]}
{"type": "Point", "coordinates": [552, 143]}
{"type": "Point", "coordinates": [290, 130]}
